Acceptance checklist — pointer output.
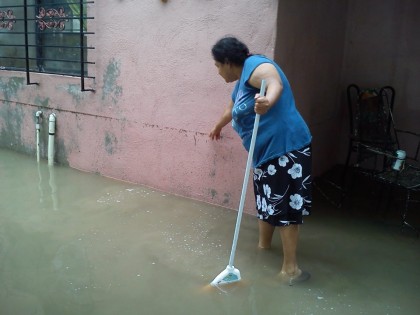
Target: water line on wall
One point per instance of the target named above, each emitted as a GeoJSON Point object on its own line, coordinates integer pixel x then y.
{"type": "Point", "coordinates": [38, 117]}
{"type": "Point", "coordinates": [51, 136]}
{"type": "Point", "coordinates": [143, 124]}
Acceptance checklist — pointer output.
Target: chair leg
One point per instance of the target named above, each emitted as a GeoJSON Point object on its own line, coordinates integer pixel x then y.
{"type": "Point", "coordinates": [388, 192]}
{"type": "Point", "coordinates": [380, 191]}
{"type": "Point", "coordinates": [347, 165]}
{"type": "Point", "coordinates": [344, 185]}
{"type": "Point", "coordinates": [324, 194]}
{"type": "Point", "coordinates": [404, 216]}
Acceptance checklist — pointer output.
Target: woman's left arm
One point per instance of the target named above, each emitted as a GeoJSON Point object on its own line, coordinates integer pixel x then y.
{"type": "Point", "coordinates": [274, 87]}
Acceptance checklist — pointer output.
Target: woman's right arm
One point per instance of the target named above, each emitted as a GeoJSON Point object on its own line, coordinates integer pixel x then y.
{"type": "Point", "coordinates": [223, 121]}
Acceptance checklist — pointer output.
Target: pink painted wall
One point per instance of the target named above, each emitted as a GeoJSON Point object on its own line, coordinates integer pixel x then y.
{"type": "Point", "coordinates": [158, 92]}
{"type": "Point", "coordinates": [157, 96]}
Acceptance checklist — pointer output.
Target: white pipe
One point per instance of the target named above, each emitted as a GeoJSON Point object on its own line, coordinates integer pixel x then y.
{"type": "Point", "coordinates": [51, 132]}
{"type": "Point", "coordinates": [38, 117]}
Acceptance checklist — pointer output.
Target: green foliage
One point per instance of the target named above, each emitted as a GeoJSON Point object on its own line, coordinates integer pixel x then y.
{"type": "Point", "coordinates": [75, 8]}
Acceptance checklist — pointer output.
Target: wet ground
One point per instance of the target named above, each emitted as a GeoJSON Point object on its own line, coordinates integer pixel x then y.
{"type": "Point", "coordinates": [77, 243]}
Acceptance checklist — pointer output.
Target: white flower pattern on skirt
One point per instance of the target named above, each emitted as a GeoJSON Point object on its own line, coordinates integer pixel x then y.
{"type": "Point", "coordinates": [267, 190]}
{"type": "Point", "coordinates": [271, 170]}
{"type": "Point", "coordinates": [296, 201]}
{"type": "Point", "coordinates": [283, 160]}
{"type": "Point", "coordinates": [283, 188]}
{"type": "Point", "coordinates": [295, 171]}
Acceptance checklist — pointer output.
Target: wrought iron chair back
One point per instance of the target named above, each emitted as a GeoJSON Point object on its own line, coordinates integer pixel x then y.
{"type": "Point", "coordinates": [370, 121]}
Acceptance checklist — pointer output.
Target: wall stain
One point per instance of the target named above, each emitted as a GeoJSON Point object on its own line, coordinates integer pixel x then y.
{"type": "Point", "coordinates": [213, 193]}
{"type": "Point", "coordinates": [61, 154]}
{"type": "Point", "coordinates": [11, 132]}
{"type": "Point", "coordinates": [187, 132]}
{"type": "Point", "coordinates": [110, 143]}
{"type": "Point", "coordinates": [110, 89]}
{"type": "Point", "coordinates": [227, 198]}
{"type": "Point", "coordinates": [42, 102]}
{"type": "Point", "coordinates": [212, 172]}
{"type": "Point", "coordinates": [75, 92]}
{"type": "Point", "coordinates": [11, 86]}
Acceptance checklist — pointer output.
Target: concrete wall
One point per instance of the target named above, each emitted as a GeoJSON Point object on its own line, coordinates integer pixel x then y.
{"type": "Point", "coordinates": [382, 47]}
{"type": "Point", "coordinates": [310, 49]}
{"type": "Point", "coordinates": [325, 45]}
{"type": "Point", "coordinates": [158, 93]}
{"type": "Point", "coordinates": [157, 96]}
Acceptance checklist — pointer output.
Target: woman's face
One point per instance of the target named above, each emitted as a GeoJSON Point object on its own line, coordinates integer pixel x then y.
{"type": "Point", "coordinates": [225, 71]}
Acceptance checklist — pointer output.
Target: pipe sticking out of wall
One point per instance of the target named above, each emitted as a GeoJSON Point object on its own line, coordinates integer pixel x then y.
{"type": "Point", "coordinates": [51, 132]}
{"type": "Point", "coordinates": [38, 117]}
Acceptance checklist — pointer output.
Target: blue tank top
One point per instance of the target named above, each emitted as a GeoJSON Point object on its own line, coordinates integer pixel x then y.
{"type": "Point", "coordinates": [281, 130]}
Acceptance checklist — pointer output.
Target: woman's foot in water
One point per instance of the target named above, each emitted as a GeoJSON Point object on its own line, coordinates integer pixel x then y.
{"type": "Point", "coordinates": [294, 277]}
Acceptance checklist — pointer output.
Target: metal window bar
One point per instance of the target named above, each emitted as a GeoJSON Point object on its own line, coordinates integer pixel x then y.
{"type": "Point", "coordinates": [25, 12]}
{"type": "Point", "coordinates": [50, 21]}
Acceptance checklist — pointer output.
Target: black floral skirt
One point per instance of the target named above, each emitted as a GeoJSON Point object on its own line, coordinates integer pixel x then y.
{"type": "Point", "coordinates": [282, 188]}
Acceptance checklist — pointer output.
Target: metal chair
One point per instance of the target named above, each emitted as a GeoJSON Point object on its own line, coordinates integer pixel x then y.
{"type": "Point", "coordinates": [370, 121]}
{"type": "Point", "coordinates": [376, 144]}
{"type": "Point", "coordinates": [401, 172]}
{"type": "Point", "coordinates": [370, 117]}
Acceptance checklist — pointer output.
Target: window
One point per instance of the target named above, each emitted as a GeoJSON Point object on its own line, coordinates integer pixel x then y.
{"type": "Point", "coordinates": [45, 36]}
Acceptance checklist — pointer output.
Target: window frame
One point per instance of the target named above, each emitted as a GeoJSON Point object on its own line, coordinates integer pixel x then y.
{"type": "Point", "coordinates": [48, 15]}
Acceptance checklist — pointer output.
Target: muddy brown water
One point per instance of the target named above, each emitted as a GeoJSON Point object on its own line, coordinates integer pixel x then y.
{"type": "Point", "coordinates": [78, 243]}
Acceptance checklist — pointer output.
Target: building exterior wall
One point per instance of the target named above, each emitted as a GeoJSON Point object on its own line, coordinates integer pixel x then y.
{"type": "Point", "coordinates": [323, 46]}
{"type": "Point", "coordinates": [310, 49]}
{"type": "Point", "coordinates": [157, 95]}
{"type": "Point", "coordinates": [382, 48]}
{"type": "Point", "coordinates": [157, 91]}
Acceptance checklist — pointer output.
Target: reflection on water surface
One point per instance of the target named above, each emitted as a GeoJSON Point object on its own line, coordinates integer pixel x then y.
{"type": "Point", "coordinates": [77, 243]}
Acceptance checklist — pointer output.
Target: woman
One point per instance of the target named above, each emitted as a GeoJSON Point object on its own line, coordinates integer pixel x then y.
{"type": "Point", "coordinates": [282, 155]}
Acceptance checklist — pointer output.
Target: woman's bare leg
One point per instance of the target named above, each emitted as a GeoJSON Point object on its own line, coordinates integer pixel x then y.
{"type": "Point", "coordinates": [289, 238]}
{"type": "Point", "coordinates": [266, 231]}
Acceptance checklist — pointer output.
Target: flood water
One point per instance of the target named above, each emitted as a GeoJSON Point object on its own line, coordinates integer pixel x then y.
{"type": "Point", "coordinates": [80, 244]}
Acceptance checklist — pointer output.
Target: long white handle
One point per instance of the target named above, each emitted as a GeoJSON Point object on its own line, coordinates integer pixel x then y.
{"type": "Point", "coordinates": [246, 178]}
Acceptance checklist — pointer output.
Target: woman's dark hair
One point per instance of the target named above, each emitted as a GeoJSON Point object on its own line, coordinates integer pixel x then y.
{"type": "Point", "coordinates": [230, 50]}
